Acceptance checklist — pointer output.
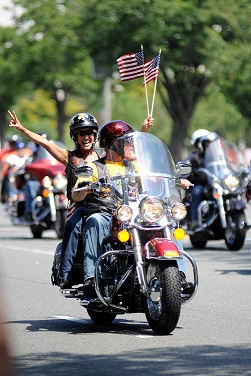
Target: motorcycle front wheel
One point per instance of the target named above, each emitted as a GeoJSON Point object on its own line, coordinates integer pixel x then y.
{"type": "Point", "coordinates": [163, 299]}
{"type": "Point", "coordinates": [235, 232]}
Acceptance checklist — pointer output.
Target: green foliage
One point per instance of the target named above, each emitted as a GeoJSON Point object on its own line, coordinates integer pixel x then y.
{"type": "Point", "coordinates": [58, 44]}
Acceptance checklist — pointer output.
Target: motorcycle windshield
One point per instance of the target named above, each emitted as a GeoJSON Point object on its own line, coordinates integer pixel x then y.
{"type": "Point", "coordinates": [148, 165]}
{"type": "Point", "coordinates": [223, 158]}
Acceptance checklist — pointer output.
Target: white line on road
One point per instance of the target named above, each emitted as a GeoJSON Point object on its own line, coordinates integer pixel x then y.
{"type": "Point", "coordinates": [27, 250]}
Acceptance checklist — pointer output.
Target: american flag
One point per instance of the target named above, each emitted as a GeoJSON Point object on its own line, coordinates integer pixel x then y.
{"type": "Point", "coordinates": [152, 69]}
{"type": "Point", "coordinates": [132, 66]}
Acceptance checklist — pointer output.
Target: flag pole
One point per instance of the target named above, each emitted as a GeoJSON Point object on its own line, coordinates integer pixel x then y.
{"type": "Point", "coordinates": [147, 104]}
{"type": "Point", "coordinates": [154, 91]}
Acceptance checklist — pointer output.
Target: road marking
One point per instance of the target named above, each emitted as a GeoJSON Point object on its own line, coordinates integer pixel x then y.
{"type": "Point", "coordinates": [34, 250]}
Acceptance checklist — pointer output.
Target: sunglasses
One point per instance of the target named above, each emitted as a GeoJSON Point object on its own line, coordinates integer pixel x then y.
{"type": "Point", "coordinates": [86, 133]}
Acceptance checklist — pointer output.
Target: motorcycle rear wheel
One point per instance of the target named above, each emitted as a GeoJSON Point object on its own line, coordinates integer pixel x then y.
{"type": "Point", "coordinates": [102, 318]}
{"type": "Point", "coordinates": [235, 232]}
{"type": "Point", "coordinates": [163, 301]}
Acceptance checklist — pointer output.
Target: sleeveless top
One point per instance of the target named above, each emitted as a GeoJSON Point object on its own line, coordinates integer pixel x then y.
{"type": "Point", "coordinates": [75, 160]}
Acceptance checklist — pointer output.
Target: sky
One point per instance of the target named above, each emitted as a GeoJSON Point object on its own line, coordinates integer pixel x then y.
{"type": "Point", "coordinates": [5, 17]}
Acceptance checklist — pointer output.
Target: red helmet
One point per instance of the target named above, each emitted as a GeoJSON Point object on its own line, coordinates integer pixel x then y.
{"type": "Point", "coordinates": [110, 131]}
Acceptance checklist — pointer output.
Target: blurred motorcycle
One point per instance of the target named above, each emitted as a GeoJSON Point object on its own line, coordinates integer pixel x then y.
{"type": "Point", "coordinates": [49, 204]}
{"type": "Point", "coordinates": [221, 214]}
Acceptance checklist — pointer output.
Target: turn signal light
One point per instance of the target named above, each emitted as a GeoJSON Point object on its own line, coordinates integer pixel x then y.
{"type": "Point", "coordinates": [179, 233]}
{"type": "Point", "coordinates": [46, 193]}
{"type": "Point", "coordinates": [123, 236]}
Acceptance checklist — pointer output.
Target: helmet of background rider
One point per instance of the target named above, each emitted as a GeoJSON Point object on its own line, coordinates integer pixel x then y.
{"type": "Point", "coordinates": [16, 142]}
{"type": "Point", "coordinates": [81, 121]}
{"type": "Point", "coordinates": [197, 135]}
{"type": "Point", "coordinates": [111, 131]}
{"type": "Point", "coordinates": [205, 140]}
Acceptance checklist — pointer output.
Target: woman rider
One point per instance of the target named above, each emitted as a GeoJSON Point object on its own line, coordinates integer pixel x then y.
{"type": "Point", "coordinates": [83, 129]}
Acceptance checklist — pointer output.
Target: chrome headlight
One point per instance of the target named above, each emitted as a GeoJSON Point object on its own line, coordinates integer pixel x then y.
{"type": "Point", "coordinates": [46, 182]}
{"type": "Point", "coordinates": [60, 182]}
{"type": "Point", "coordinates": [231, 183]}
{"type": "Point", "coordinates": [152, 209]}
{"type": "Point", "coordinates": [124, 213]}
{"type": "Point", "coordinates": [179, 211]}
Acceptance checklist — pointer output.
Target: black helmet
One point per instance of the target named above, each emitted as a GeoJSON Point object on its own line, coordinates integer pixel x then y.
{"type": "Point", "coordinates": [15, 141]}
{"type": "Point", "coordinates": [111, 131]}
{"type": "Point", "coordinates": [80, 121]}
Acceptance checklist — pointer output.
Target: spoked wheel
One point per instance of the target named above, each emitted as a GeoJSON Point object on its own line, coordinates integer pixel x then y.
{"type": "Point", "coordinates": [101, 317]}
{"type": "Point", "coordinates": [235, 232]}
{"type": "Point", "coordinates": [163, 300]}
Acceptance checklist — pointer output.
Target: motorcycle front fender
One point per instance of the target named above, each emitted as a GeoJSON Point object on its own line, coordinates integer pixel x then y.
{"type": "Point", "coordinates": [161, 248]}
{"type": "Point", "coordinates": [237, 204]}
{"type": "Point", "coordinates": [61, 201]}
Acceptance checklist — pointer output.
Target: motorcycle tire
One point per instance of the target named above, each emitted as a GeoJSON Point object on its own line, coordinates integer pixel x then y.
{"type": "Point", "coordinates": [37, 231]}
{"type": "Point", "coordinates": [163, 301]}
{"type": "Point", "coordinates": [235, 232]}
{"type": "Point", "coordinates": [60, 222]}
{"type": "Point", "coordinates": [102, 318]}
{"type": "Point", "coordinates": [197, 242]}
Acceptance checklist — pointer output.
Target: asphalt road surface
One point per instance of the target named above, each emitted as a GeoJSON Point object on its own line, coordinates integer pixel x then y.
{"type": "Point", "coordinates": [51, 335]}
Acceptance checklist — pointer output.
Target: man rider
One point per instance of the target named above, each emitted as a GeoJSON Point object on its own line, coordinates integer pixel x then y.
{"type": "Point", "coordinates": [196, 160]}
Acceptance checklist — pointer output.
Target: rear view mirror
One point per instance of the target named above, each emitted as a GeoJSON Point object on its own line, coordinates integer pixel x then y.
{"type": "Point", "coordinates": [183, 169]}
{"type": "Point", "coordinates": [84, 171]}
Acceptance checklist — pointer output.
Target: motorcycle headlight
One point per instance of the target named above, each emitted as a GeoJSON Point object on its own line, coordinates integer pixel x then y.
{"type": "Point", "coordinates": [231, 183]}
{"type": "Point", "coordinates": [60, 182]}
{"type": "Point", "coordinates": [152, 209]}
{"type": "Point", "coordinates": [179, 211]}
{"type": "Point", "coordinates": [46, 182]}
{"type": "Point", "coordinates": [124, 213]}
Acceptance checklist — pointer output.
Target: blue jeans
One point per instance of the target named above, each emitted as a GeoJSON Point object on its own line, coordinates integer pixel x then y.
{"type": "Point", "coordinates": [197, 196]}
{"type": "Point", "coordinates": [97, 229]}
{"type": "Point", "coordinates": [70, 241]}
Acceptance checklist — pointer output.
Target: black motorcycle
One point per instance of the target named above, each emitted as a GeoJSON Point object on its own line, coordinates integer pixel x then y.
{"type": "Point", "coordinates": [221, 214]}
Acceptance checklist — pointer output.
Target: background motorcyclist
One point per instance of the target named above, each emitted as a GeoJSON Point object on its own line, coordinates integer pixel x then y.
{"type": "Point", "coordinates": [99, 210]}
{"type": "Point", "coordinates": [199, 179]}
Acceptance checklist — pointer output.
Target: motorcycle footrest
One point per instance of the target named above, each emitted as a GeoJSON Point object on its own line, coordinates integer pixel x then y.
{"type": "Point", "coordinates": [70, 292]}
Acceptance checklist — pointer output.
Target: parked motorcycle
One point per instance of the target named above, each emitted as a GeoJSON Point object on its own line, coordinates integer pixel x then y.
{"type": "Point", "coordinates": [221, 214]}
{"type": "Point", "coordinates": [139, 265]}
{"type": "Point", "coordinates": [49, 206]}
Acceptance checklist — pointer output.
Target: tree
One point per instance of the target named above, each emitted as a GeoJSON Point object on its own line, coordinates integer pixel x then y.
{"type": "Point", "coordinates": [11, 73]}
{"type": "Point", "coordinates": [184, 31]}
{"type": "Point", "coordinates": [56, 61]}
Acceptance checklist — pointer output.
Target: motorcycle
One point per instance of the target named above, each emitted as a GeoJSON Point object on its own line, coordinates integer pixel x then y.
{"type": "Point", "coordinates": [138, 270]}
{"type": "Point", "coordinates": [221, 214]}
{"type": "Point", "coordinates": [49, 206]}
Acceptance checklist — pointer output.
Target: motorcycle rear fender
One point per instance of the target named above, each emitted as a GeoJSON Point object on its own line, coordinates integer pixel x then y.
{"type": "Point", "coordinates": [161, 248]}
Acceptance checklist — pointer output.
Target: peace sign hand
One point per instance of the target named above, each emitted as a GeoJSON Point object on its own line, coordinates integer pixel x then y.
{"type": "Point", "coordinates": [14, 122]}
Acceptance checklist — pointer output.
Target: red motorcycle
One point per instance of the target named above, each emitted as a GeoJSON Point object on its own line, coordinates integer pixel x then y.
{"type": "Point", "coordinates": [139, 270]}
{"type": "Point", "coordinates": [49, 203]}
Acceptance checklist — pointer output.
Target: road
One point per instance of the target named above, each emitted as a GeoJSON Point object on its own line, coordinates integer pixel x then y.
{"type": "Point", "coordinates": [51, 335]}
